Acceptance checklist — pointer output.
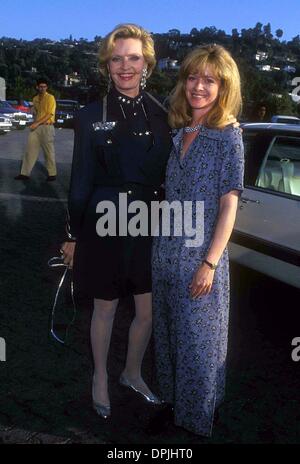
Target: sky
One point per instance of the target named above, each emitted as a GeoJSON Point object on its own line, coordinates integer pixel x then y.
{"type": "Point", "coordinates": [58, 19]}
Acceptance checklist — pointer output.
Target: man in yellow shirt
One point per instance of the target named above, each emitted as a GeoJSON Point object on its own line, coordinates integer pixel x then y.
{"type": "Point", "coordinates": [41, 133]}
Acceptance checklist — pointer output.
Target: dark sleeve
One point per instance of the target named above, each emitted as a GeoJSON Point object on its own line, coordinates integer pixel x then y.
{"type": "Point", "coordinates": [82, 174]}
{"type": "Point", "coordinates": [232, 166]}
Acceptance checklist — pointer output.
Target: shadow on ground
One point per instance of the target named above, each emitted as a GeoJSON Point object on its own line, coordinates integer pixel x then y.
{"type": "Point", "coordinates": [45, 387]}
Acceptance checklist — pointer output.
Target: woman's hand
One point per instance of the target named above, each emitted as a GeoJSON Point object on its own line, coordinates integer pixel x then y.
{"type": "Point", "coordinates": [232, 120]}
{"type": "Point", "coordinates": [202, 281]}
{"type": "Point", "coordinates": [67, 249]}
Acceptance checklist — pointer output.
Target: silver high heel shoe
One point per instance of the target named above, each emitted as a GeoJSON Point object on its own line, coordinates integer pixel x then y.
{"type": "Point", "coordinates": [151, 398]}
{"type": "Point", "coordinates": [101, 410]}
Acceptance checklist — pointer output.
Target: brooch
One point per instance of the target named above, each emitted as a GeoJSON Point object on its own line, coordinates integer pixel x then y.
{"type": "Point", "coordinates": [105, 126]}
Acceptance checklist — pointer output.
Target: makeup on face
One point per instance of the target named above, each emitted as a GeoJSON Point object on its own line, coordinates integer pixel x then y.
{"type": "Point", "coordinates": [126, 66]}
{"type": "Point", "coordinates": [202, 89]}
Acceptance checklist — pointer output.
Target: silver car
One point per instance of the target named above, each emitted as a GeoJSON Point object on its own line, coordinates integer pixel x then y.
{"type": "Point", "coordinates": [5, 124]}
{"type": "Point", "coordinates": [266, 235]}
{"type": "Point", "coordinates": [19, 119]}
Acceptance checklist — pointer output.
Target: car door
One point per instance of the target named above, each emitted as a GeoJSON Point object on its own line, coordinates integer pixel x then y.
{"type": "Point", "coordinates": [267, 230]}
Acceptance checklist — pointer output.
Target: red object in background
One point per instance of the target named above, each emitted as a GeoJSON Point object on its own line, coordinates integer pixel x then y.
{"type": "Point", "coordinates": [23, 108]}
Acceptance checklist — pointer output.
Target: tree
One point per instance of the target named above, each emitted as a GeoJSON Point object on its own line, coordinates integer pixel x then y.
{"type": "Point", "coordinates": [267, 32]}
{"type": "Point", "coordinates": [174, 32]}
{"type": "Point", "coordinates": [235, 34]}
{"type": "Point", "coordinates": [161, 83]}
{"type": "Point", "coordinates": [279, 33]}
{"type": "Point", "coordinates": [19, 87]}
{"type": "Point", "coordinates": [258, 30]}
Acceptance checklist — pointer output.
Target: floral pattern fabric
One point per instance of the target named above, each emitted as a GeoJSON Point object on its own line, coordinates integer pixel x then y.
{"type": "Point", "coordinates": [191, 335]}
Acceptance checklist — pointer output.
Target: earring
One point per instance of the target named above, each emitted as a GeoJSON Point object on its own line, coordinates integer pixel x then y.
{"type": "Point", "coordinates": [144, 79]}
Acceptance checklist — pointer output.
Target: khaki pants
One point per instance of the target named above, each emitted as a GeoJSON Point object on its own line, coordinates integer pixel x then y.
{"type": "Point", "coordinates": [41, 137]}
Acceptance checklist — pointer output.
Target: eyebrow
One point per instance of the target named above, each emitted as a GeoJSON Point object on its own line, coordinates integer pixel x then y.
{"type": "Point", "coordinates": [130, 54]}
{"type": "Point", "coordinates": [204, 75]}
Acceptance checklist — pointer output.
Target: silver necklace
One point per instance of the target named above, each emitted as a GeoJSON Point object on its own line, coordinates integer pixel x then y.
{"type": "Point", "coordinates": [140, 134]}
{"type": "Point", "coordinates": [133, 101]}
{"type": "Point", "coordinates": [189, 129]}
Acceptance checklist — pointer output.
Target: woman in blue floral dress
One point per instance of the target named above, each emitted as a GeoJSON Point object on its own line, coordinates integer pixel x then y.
{"type": "Point", "coordinates": [191, 283]}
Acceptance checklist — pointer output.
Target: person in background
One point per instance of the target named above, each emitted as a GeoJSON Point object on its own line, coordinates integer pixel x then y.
{"type": "Point", "coordinates": [260, 113]}
{"type": "Point", "coordinates": [41, 134]}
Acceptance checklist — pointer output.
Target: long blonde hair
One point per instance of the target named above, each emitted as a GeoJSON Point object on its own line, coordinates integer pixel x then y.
{"type": "Point", "coordinates": [127, 31]}
{"type": "Point", "coordinates": [223, 67]}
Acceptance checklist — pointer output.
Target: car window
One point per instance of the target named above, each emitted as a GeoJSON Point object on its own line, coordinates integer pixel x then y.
{"type": "Point", "coordinates": [255, 147]}
{"type": "Point", "coordinates": [6, 106]}
{"type": "Point", "coordinates": [280, 170]}
{"type": "Point", "coordinates": [288, 121]}
{"type": "Point", "coordinates": [67, 105]}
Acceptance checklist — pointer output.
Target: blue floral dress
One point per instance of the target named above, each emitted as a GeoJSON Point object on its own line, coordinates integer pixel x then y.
{"type": "Point", "coordinates": [191, 335]}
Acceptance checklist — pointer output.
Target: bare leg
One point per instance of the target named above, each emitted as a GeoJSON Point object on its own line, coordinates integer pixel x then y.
{"type": "Point", "coordinates": [101, 328]}
{"type": "Point", "coordinates": [139, 336]}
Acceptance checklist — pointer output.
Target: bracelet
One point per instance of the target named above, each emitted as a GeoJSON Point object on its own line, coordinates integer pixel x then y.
{"type": "Point", "coordinates": [212, 266]}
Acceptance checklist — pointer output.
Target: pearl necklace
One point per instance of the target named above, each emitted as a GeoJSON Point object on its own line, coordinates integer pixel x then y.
{"type": "Point", "coordinates": [188, 129]}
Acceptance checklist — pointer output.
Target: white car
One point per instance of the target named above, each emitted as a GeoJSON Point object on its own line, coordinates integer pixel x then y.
{"type": "Point", "coordinates": [266, 235]}
{"type": "Point", "coordinates": [19, 119]}
{"type": "Point", "coordinates": [283, 119]}
{"type": "Point", "coordinates": [5, 124]}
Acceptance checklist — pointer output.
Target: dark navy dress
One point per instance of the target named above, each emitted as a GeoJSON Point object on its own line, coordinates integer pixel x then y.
{"type": "Point", "coordinates": [191, 335]}
{"type": "Point", "coordinates": [129, 158]}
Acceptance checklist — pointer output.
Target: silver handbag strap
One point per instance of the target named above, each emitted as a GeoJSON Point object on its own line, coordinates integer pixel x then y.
{"type": "Point", "coordinates": [57, 261]}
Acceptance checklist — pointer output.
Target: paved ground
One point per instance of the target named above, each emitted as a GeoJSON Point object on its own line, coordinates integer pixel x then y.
{"type": "Point", "coordinates": [45, 387]}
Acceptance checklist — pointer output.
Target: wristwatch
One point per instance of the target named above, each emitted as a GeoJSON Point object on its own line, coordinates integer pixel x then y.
{"type": "Point", "coordinates": [212, 266]}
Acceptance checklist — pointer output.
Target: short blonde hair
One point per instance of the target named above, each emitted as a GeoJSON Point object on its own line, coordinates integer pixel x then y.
{"type": "Point", "coordinates": [127, 31]}
{"type": "Point", "coordinates": [223, 67]}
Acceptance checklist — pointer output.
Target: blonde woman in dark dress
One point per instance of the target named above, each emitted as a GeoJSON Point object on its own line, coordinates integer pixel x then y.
{"type": "Point", "coordinates": [121, 146]}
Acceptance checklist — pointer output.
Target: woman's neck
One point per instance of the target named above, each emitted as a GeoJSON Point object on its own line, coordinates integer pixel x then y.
{"type": "Point", "coordinates": [131, 93]}
{"type": "Point", "coordinates": [199, 114]}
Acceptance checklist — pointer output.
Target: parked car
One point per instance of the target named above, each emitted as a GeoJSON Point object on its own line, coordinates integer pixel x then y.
{"type": "Point", "coordinates": [266, 235]}
{"type": "Point", "coordinates": [65, 110]}
{"type": "Point", "coordinates": [19, 119]}
{"type": "Point", "coordinates": [283, 119]}
{"type": "Point", "coordinates": [20, 105]}
{"type": "Point", "coordinates": [5, 124]}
